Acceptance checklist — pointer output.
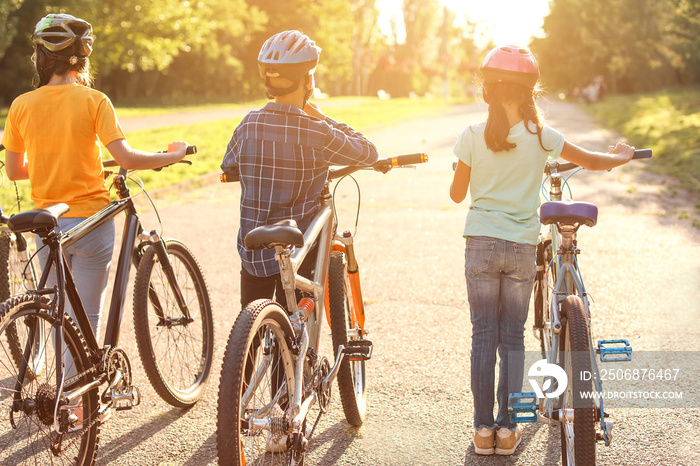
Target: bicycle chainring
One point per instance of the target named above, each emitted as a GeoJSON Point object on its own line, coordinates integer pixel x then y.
{"type": "Point", "coordinates": [324, 393]}
{"type": "Point", "coordinates": [117, 360]}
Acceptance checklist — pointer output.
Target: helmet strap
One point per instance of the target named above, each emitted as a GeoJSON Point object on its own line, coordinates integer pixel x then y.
{"type": "Point", "coordinates": [273, 92]}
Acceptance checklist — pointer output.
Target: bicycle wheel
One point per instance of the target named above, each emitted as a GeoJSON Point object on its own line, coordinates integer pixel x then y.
{"type": "Point", "coordinates": [12, 283]}
{"type": "Point", "coordinates": [351, 376]}
{"type": "Point", "coordinates": [28, 405]}
{"type": "Point", "coordinates": [544, 284]}
{"type": "Point", "coordinates": [256, 388]}
{"type": "Point", "coordinates": [578, 426]}
{"type": "Point", "coordinates": [177, 353]}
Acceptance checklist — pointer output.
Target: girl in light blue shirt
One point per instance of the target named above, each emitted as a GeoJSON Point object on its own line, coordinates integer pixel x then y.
{"type": "Point", "coordinates": [501, 162]}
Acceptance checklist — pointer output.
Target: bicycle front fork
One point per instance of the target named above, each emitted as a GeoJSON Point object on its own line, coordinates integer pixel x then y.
{"type": "Point", "coordinates": [158, 243]}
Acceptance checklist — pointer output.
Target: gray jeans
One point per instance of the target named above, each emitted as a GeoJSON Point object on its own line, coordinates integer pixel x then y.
{"type": "Point", "coordinates": [500, 276]}
{"type": "Point", "coordinates": [89, 260]}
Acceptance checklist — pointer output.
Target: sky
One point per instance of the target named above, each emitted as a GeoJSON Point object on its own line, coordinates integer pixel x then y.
{"type": "Point", "coordinates": [506, 21]}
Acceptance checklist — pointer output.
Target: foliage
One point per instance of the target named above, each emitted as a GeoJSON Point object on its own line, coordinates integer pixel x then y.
{"type": "Point", "coordinates": [666, 121]}
{"type": "Point", "coordinates": [189, 51]}
{"type": "Point", "coordinates": [8, 24]}
{"type": "Point", "coordinates": [211, 137]}
{"type": "Point", "coordinates": [636, 45]}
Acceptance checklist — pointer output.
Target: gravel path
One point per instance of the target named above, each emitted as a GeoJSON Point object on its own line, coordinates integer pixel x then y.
{"type": "Point", "coordinates": [642, 266]}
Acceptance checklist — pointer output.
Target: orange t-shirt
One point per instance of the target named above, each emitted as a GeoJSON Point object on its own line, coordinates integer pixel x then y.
{"type": "Point", "coordinates": [60, 129]}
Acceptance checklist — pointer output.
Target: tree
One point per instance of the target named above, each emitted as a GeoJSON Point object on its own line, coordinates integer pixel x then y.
{"type": "Point", "coordinates": [8, 23]}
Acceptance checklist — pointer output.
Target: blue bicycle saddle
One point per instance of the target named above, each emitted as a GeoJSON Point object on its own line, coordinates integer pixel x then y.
{"type": "Point", "coordinates": [569, 212]}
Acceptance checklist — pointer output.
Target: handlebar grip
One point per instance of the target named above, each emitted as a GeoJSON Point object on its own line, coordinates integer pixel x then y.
{"type": "Point", "coordinates": [409, 159]}
{"type": "Point", "coordinates": [642, 154]}
{"type": "Point", "coordinates": [191, 150]}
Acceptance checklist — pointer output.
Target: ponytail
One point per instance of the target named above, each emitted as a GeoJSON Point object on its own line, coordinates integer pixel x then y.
{"type": "Point", "coordinates": [497, 125]}
{"type": "Point", "coordinates": [47, 64]}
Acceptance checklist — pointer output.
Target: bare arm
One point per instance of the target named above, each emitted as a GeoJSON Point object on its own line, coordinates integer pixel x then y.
{"type": "Point", "coordinates": [133, 159]}
{"type": "Point", "coordinates": [460, 182]}
{"type": "Point", "coordinates": [619, 154]}
{"type": "Point", "coordinates": [15, 166]}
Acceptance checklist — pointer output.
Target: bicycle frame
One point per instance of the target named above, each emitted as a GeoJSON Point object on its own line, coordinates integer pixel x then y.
{"type": "Point", "coordinates": [64, 278]}
{"type": "Point", "coordinates": [568, 282]}
{"type": "Point", "coordinates": [321, 231]}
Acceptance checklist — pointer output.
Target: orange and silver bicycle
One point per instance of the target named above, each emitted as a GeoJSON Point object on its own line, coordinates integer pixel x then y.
{"type": "Point", "coordinates": [273, 377]}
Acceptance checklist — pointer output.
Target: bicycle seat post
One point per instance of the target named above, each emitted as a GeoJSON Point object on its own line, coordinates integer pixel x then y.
{"type": "Point", "coordinates": [288, 277]}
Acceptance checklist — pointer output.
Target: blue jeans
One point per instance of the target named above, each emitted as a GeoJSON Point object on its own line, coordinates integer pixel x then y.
{"type": "Point", "coordinates": [500, 276]}
{"type": "Point", "coordinates": [89, 260]}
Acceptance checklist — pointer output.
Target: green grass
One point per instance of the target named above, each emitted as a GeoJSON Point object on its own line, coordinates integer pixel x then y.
{"type": "Point", "coordinates": [668, 122]}
{"type": "Point", "coordinates": [212, 137]}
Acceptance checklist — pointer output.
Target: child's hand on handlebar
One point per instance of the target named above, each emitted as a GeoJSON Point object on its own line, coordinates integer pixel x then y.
{"type": "Point", "coordinates": [179, 147]}
{"type": "Point", "coordinates": [621, 152]}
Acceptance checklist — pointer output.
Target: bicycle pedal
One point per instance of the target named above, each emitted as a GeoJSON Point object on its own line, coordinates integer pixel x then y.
{"type": "Point", "coordinates": [605, 435]}
{"type": "Point", "coordinates": [522, 407]}
{"type": "Point", "coordinates": [614, 350]}
{"type": "Point", "coordinates": [358, 350]}
{"type": "Point", "coordinates": [126, 398]}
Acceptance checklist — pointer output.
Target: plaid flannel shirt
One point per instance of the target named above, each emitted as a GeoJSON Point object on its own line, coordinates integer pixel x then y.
{"type": "Point", "coordinates": [283, 156]}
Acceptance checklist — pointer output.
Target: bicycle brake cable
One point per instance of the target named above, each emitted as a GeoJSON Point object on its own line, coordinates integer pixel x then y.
{"type": "Point", "coordinates": [359, 200]}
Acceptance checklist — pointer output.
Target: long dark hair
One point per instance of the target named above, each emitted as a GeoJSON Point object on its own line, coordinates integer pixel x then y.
{"type": "Point", "coordinates": [497, 126]}
{"type": "Point", "coordinates": [47, 64]}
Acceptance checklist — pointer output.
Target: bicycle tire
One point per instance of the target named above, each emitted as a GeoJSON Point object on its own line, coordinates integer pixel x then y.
{"type": "Point", "coordinates": [177, 356]}
{"type": "Point", "coordinates": [351, 375]}
{"type": "Point", "coordinates": [576, 359]}
{"type": "Point", "coordinates": [237, 444]}
{"type": "Point", "coordinates": [543, 286]}
{"type": "Point", "coordinates": [11, 284]}
{"type": "Point", "coordinates": [29, 441]}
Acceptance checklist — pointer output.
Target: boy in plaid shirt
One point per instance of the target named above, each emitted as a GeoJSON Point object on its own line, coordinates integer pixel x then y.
{"type": "Point", "coordinates": [283, 152]}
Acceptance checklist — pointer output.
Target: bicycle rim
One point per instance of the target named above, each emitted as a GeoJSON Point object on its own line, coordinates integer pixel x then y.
{"type": "Point", "coordinates": [351, 375]}
{"type": "Point", "coordinates": [577, 435]}
{"type": "Point", "coordinates": [27, 432]}
{"type": "Point", "coordinates": [256, 388]}
{"type": "Point", "coordinates": [177, 355]}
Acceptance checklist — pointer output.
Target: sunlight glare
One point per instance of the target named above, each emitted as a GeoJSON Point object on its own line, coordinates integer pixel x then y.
{"type": "Point", "coordinates": [503, 21]}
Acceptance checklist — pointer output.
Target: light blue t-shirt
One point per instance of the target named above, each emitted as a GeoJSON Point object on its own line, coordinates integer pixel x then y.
{"type": "Point", "coordinates": [505, 186]}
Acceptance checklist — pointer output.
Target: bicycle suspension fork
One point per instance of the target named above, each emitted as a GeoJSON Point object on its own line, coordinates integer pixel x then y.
{"type": "Point", "coordinates": [162, 254]}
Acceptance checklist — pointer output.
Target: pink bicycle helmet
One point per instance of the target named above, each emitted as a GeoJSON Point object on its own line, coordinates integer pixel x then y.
{"type": "Point", "coordinates": [510, 63]}
{"type": "Point", "coordinates": [64, 34]}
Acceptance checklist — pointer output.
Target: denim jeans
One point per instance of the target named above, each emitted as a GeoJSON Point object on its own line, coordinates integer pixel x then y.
{"type": "Point", "coordinates": [500, 276]}
{"type": "Point", "coordinates": [89, 260]}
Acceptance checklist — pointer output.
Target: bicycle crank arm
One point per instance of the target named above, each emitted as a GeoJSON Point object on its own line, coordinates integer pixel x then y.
{"type": "Point", "coordinates": [330, 378]}
{"type": "Point", "coordinates": [75, 395]}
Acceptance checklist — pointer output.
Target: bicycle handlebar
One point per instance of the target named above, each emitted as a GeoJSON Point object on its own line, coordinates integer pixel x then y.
{"type": "Point", "coordinates": [563, 167]}
{"type": "Point", "coordinates": [231, 174]}
{"type": "Point", "coordinates": [189, 151]}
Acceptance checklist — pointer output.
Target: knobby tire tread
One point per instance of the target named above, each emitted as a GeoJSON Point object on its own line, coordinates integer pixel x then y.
{"type": "Point", "coordinates": [40, 306]}
{"type": "Point", "coordinates": [233, 375]}
{"type": "Point", "coordinates": [337, 299]}
{"type": "Point", "coordinates": [142, 327]}
{"type": "Point", "coordinates": [584, 412]}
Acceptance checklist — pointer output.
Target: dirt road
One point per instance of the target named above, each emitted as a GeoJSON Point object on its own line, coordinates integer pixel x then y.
{"type": "Point", "coordinates": [641, 264]}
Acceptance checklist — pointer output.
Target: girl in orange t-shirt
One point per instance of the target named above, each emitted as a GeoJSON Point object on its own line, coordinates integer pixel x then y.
{"type": "Point", "coordinates": [59, 126]}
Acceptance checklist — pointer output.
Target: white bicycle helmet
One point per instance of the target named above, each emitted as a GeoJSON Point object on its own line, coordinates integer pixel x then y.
{"type": "Point", "coordinates": [64, 34]}
{"type": "Point", "coordinates": [289, 54]}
